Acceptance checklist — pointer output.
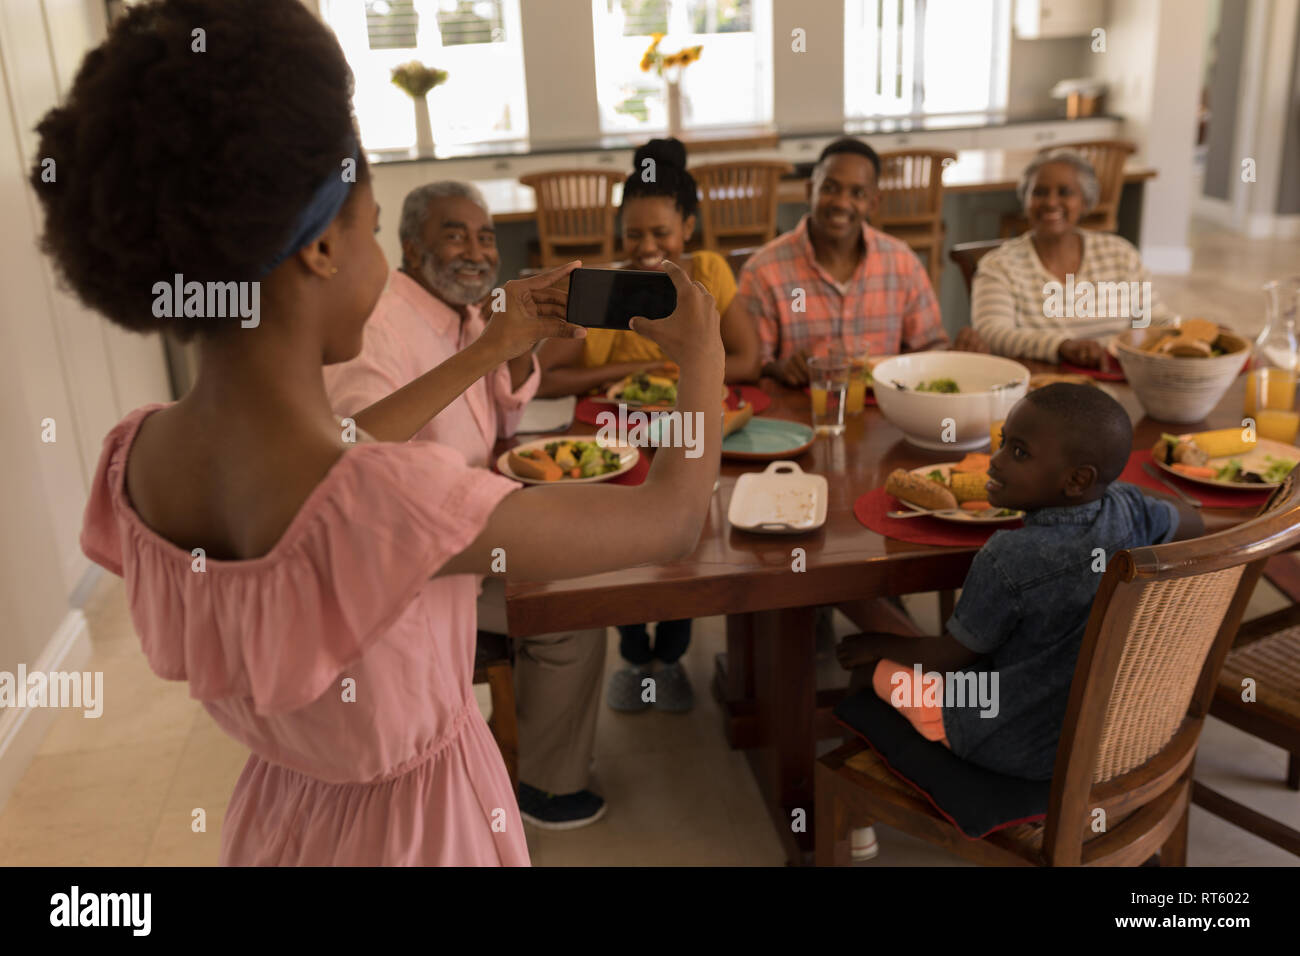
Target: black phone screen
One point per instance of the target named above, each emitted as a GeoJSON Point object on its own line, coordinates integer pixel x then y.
{"type": "Point", "coordinates": [608, 298]}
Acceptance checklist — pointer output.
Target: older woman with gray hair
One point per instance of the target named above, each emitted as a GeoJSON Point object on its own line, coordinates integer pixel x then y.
{"type": "Point", "coordinates": [1053, 293]}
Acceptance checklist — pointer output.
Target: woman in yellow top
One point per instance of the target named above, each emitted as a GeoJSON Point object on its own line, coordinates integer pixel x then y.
{"type": "Point", "coordinates": [660, 201]}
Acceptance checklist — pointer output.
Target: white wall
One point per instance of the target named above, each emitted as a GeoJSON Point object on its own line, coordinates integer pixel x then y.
{"type": "Point", "coordinates": [1153, 64]}
{"type": "Point", "coordinates": [808, 87]}
{"type": "Point", "coordinates": [58, 360]}
{"type": "Point", "coordinates": [558, 35]}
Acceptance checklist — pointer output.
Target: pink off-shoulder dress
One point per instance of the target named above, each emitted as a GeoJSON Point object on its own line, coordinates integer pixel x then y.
{"type": "Point", "coordinates": [335, 659]}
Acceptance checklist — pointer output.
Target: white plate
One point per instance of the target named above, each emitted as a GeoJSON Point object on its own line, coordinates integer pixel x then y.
{"type": "Point", "coordinates": [1250, 461]}
{"type": "Point", "coordinates": [782, 499]}
{"type": "Point", "coordinates": [628, 457]}
{"type": "Point", "coordinates": [971, 518]}
{"type": "Point", "coordinates": [547, 415]}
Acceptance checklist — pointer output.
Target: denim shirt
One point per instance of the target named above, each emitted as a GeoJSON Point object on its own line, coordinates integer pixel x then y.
{"type": "Point", "coordinates": [1024, 606]}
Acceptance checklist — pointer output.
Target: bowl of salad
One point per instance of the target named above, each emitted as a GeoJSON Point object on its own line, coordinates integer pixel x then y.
{"type": "Point", "coordinates": [645, 390]}
{"type": "Point", "coordinates": [945, 401]}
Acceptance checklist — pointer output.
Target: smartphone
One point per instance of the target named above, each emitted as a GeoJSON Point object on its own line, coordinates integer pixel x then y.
{"type": "Point", "coordinates": [608, 298]}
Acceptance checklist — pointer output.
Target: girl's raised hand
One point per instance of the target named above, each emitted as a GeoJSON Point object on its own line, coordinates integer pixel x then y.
{"type": "Point", "coordinates": [533, 311]}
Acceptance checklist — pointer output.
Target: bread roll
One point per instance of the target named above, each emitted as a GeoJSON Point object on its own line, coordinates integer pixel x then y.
{"type": "Point", "coordinates": [538, 466]}
{"type": "Point", "coordinates": [919, 491]}
{"type": "Point", "coordinates": [1043, 379]}
{"type": "Point", "coordinates": [734, 421]}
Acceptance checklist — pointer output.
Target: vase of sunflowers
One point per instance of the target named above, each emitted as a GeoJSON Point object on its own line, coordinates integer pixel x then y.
{"type": "Point", "coordinates": [416, 80]}
{"type": "Point", "coordinates": [670, 67]}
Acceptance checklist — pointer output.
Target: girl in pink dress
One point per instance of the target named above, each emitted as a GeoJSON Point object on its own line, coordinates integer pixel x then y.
{"type": "Point", "coordinates": [314, 581]}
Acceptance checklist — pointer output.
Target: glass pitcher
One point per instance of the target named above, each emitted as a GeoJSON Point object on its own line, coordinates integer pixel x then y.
{"type": "Point", "coordinates": [1276, 348]}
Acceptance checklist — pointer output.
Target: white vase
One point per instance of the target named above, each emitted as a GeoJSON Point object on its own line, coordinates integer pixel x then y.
{"type": "Point", "coordinates": [673, 94]}
{"type": "Point", "coordinates": [423, 128]}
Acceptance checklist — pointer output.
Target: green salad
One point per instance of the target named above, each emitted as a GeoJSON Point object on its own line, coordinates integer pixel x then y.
{"type": "Point", "coordinates": [1275, 470]}
{"type": "Point", "coordinates": [642, 390]}
{"type": "Point", "coordinates": [946, 385]}
{"type": "Point", "coordinates": [586, 458]}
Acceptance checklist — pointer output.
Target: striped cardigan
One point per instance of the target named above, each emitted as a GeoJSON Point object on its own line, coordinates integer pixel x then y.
{"type": "Point", "coordinates": [1023, 311]}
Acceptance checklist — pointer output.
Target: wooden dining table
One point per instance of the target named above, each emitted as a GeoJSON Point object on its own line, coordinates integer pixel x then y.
{"type": "Point", "coordinates": [767, 682]}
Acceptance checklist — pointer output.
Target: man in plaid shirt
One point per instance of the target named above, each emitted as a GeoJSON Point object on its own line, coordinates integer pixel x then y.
{"type": "Point", "coordinates": [834, 280]}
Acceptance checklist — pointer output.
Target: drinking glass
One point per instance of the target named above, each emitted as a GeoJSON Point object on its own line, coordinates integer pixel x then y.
{"type": "Point", "coordinates": [859, 375]}
{"type": "Point", "coordinates": [1273, 390]}
{"type": "Point", "coordinates": [828, 385]}
{"type": "Point", "coordinates": [999, 404]}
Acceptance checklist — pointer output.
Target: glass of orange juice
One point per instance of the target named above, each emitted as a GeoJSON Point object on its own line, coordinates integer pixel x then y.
{"type": "Point", "coordinates": [1277, 385]}
{"type": "Point", "coordinates": [828, 388]}
{"type": "Point", "coordinates": [1273, 408]}
{"type": "Point", "coordinates": [855, 399]}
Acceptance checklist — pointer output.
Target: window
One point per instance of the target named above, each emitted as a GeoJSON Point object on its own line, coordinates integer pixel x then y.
{"type": "Point", "coordinates": [917, 57]}
{"type": "Point", "coordinates": [731, 83]}
{"type": "Point", "coordinates": [478, 43]}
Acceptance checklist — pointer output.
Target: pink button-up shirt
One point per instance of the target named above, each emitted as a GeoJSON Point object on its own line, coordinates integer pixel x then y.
{"type": "Point", "coordinates": [411, 332]}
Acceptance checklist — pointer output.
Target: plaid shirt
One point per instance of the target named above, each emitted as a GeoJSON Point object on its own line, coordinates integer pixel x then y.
{"type": "Point", "coordinates": [886, 305]}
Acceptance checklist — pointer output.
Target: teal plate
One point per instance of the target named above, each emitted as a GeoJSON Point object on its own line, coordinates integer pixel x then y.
{"type": "Point", "coordinates": [765, 439]}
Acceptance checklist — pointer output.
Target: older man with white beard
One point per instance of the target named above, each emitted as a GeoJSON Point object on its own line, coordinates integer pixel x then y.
{"type": "Point", "coordinates": [428, 313]}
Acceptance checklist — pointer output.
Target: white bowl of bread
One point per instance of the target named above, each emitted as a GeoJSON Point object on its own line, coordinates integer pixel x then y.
{"type": "Point", "coordinates": [1180, 372]}
{"type": "Point", "coordinates": [987, 387]}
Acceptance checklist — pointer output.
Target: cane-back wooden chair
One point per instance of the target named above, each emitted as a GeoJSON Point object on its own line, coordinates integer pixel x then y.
{"type": "Point", "coordinates": [1162, 623]}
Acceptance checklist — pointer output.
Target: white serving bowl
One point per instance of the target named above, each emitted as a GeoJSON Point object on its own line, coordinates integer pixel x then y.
{"type": "Point", "coordinates": [1181, 391]}
{"type": "Point", "coordinates": [927, 418]}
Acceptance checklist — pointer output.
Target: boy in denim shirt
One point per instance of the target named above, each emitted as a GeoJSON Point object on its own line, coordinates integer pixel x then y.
{"type": "Point", "coordinates": [1025, 603]}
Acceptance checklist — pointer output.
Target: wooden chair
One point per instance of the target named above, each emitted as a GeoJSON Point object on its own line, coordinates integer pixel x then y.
{"type": "Point", "coordinates": [737, 258]}
{"type": "Point", "coordinates": [1161, 625]}
{"type": "Point", "coordinates": [1269, 656]}
{"type": "Point", "coordinates": [738, 202]}
{"type": "Point", "coordinates": [492, 666]}
{"type": "Point", "coordinates": [575, 214]}
{"type": "Point", "coordinates": [911, 202]}
{"type": "Point", "coordinates": [967, 256]}
{"type": "Point", "coordinates": [1107, 158]}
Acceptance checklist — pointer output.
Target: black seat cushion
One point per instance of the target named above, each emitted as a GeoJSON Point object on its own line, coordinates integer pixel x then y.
{"type": "Point", "coordinates": [975, 800]}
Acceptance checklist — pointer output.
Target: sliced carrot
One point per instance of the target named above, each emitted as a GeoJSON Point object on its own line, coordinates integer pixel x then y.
{"type": "Point", "coordinates": [975, 505]}
{"type": "Point", "coordinates": [575, 472]}
{"type": "Point", "coordinates": [974, 461]}
{"type": "Point", "coordinates": [1194, 471]}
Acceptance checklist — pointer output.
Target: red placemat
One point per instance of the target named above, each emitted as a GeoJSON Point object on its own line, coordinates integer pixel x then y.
{"type": "Point", "coordinates": [1207, 495]}
{"type": "Point", "coordinates": [1109, 371]}
{"type": "Point", "coordinates": [588, 409]}
{"type": "Point", "coordinates": [638, 472]}
{"type": "Point", "coordinates": [750, 393]}
{"type": "Point", "coordinates": [871, 510]}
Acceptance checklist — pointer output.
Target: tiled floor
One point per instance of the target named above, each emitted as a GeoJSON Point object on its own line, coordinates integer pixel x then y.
{"type": "Point", "coordinates": [124, 789]}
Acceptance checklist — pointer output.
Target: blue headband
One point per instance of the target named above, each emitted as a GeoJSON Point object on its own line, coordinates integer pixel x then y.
{"type": "Point", "coordinates": [320, 211]}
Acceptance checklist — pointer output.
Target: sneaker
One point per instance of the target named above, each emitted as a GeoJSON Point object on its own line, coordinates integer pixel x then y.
{"type": "Point", "coordinates": [673, 689]}
{"type": "Point", "coordinates": [862, 844]}
{"type": "Point", "coordinates": [559, 811]}
{"type": "Point", "coordinates": [624, 691]}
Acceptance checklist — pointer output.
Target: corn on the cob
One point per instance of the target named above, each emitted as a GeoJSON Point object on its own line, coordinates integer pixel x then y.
{"type": "Point", "coordinates": [1222, 442]}
{"type": "Point", "coordinates": [969, 485]}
